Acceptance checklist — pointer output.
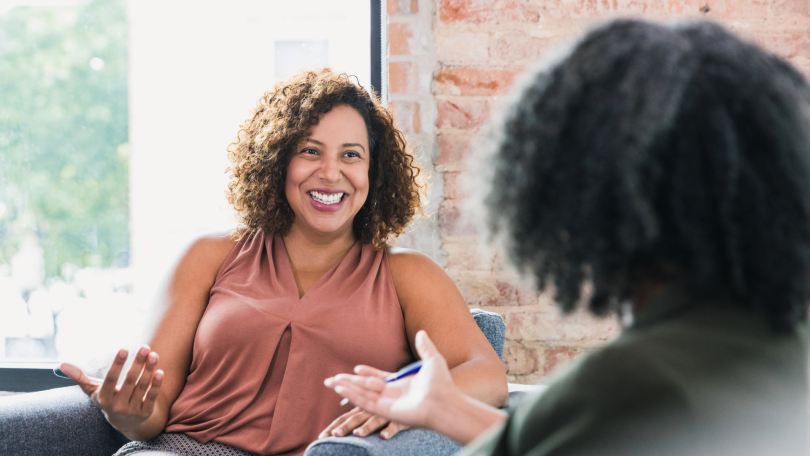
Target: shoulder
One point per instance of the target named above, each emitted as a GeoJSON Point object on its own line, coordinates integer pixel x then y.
{"type": "Point", "coordinates": [613, 401]}
{"type": "Point", "coordinates": [205, 254]}
{"type": "Point", "coordinates": [406, 262]}
{"type": "Point", "coordinates": [212, 246]}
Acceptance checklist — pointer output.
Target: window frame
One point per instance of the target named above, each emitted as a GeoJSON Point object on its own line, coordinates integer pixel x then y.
{"type": "Point", "coordinates": [26, 377]}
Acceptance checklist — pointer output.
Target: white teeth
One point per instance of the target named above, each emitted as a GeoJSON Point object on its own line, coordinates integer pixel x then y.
{"type": "Point", "coordinates": [326, 198]}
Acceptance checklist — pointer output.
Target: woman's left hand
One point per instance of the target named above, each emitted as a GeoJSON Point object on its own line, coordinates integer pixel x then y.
{"type": "Point", "coordinates": [362, 423]}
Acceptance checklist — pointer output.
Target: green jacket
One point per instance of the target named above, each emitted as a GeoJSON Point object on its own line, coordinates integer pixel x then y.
{"type": "Point", "coordinates": [689, 377]}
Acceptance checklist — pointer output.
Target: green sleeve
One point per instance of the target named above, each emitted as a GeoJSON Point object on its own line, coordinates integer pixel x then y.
{"type": "Point", "coordinates": [611, 403]}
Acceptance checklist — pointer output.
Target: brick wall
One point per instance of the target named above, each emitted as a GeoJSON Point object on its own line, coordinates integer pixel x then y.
{"type": "Point", "coordinates": [451, 62]}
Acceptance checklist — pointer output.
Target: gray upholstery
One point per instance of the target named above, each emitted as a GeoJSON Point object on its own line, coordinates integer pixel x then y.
{"type": "Point", "coordinates": [413, 442]}
{"type": "Point", "coordinates": [64, 422]}
{"type": "Point", "coordinates": [493, 327]}
{"type": "Point", "coordinates": [60, 421]}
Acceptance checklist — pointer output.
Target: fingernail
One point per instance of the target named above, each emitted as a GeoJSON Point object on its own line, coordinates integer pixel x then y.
{"type": "Point", "coordinates": [143, 351]}
{"type": "Point", "coordinates": [384, 434]}
{"type": "Point", "coordinates": [152, 358]}
{"type": "Point", "coordinates": [356, 369]}
{"type": "Point", "coordinates": [339, 389]}
{"type": "Point", "coordinates": [122, 354]}
{"type": "Point", "coordinates": [159, 375]}
{"type": "Point", "coordinates": [358, 432]}
{"type": "Point", "coordinates": [338, 432]}
{"type": "Point", "coordinates": [328, 381]}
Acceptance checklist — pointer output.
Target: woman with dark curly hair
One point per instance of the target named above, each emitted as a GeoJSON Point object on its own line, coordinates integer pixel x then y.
{"type": "Point", "coordinates": [668, 167]}
{"type": "Point", "coordinates": [307, 288]}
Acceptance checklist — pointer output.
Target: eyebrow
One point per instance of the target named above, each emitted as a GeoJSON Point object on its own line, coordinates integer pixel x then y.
{"type": "Point", "coordinates": [343, 145]}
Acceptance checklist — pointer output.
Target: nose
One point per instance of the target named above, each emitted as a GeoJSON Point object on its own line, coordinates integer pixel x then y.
{"type": "Point", "coordinates": [330, 170]}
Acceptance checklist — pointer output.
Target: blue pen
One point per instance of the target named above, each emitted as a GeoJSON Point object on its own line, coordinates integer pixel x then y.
{"type": "Point", "coordinates": [410, 369]}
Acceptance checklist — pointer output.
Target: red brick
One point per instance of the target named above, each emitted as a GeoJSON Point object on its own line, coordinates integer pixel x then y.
{"type": "Point", "coordinates": [474, 81]}
{"type": "Point", "coordinates": [556, 357]}
{"type": "Point", "coordinates": [529, 324]}
{"type": "Point", "coordinates": [514, 46]}
{"type": "Point", "coordinates": [781, 7]}
{"type": "Point", "coordinates": [406, 116]}
{"type": "Point", "coordinates": [520, 359]}
{"type": "Point", "coordinates": [452, 149]}
{"type": "Point", "coordinates": [479, 11]}
{"type": "Point", "coordinates": [788, 43]}
{"type": "Point", "coordinates": [492, 290]}
{"type": "Point", "coordinates": [451, 185]}
{"type": "Point", "coordinates": [453, 223]}
{"type": "Point", "coordinates": [403, 77]}
{"type": "Point", "coordinates": [464, 114]}
{"type": "Point", "coordinates": [400, 39]}
{"type": "Point", "coordinates": [754, 9]}
{"type": "Point", "coordinates": [403, 6]}
{"type": "Point", "coordinates": [468, 253]}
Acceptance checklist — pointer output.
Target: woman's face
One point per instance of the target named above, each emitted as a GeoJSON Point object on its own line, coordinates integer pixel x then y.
{"type": "Point", "coordinates": [327, 180]}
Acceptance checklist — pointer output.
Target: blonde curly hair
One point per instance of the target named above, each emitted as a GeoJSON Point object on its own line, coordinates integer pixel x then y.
{"type": "Point", "coordinates": [283, 118]}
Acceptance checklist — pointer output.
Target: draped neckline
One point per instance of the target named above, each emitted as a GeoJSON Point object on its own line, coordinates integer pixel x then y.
{"type": "Point", "coordinates": [282, 259]}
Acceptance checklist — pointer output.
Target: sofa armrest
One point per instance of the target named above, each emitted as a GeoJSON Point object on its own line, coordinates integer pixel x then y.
{"type": "Point", "coordinates": [411, 442]}
{"type": "Point", "coordinates": [59, 421]}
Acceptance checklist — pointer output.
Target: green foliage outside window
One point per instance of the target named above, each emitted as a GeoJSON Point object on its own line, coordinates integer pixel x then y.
{"type": "Point", "coordinates": [64, 161]}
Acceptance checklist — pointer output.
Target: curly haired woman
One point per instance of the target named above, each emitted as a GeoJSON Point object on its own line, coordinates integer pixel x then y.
{"type": "Point", "coordinates": [307, 288]}
{"type": "Point", "coordinates": [669, 166]}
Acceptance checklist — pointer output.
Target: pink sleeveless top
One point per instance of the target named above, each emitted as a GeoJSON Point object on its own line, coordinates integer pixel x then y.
{"type": "Point", "coordinates": [261, 354]}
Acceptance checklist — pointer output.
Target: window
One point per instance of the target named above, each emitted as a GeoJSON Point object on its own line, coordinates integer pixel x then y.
{"type": "Point", "coordinates": [114, 121]}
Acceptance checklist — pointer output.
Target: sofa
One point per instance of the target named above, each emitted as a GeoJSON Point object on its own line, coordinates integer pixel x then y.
{"type": "Point", "coordinates": [64, 422]}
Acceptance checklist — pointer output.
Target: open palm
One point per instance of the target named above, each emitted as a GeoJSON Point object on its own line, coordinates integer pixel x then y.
{"type": "Point", "coordinates": [410, 400]}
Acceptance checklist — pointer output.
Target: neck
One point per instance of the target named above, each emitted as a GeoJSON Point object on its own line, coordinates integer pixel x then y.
{"type": "Point", "coordinates": [317, 251]}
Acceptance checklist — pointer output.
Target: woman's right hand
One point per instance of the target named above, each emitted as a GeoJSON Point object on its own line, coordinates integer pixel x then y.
{"type": "Point", "coordinates": [128, 406]}
{"type": "Point", "coordinates": [411, 400]}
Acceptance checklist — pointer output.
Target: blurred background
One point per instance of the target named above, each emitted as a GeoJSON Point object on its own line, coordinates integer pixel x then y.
{"type": "Point", "coordinates": [115, 118]}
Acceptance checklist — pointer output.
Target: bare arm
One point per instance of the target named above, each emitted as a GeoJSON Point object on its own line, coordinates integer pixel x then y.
{"type": "Point", "coordinates": [431, 302]}
{"type": "Point", "coordinates": [185, 298]}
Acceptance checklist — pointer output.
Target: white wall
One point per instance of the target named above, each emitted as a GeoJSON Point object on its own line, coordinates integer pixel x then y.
{"type": "Point", "coordinates": [196, 70]}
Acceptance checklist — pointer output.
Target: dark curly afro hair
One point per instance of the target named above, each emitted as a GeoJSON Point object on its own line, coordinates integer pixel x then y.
{"type": "Point", "coordinates": [661, 153]}
{"type": "Point", "coordinates": [282, 119]}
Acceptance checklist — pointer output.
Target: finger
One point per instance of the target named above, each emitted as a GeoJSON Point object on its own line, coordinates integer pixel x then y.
{"type": "Point", "coordinates": [425, 347]}
{"type": "Point", "coordinates": [148, 405]}
{"type": "Point", "coordinates": [146, 378]}
{"type": "Point", "coordinates": [368, 371]}
{"type": "Point", "coordinates": [107, 391]}
{"type": "Point", "coordinates": [372, 424]}
{"type": "Point", "coordinates": [365, 399]}
{"type": "Point", "coordinates": [87, 384]}
{"type": "Point", "coordinates": [369, 383]}
{"type": "Point", "coordinates": [351, 423]}
{"type": "Point", "coordinates": [328, 431]}
{"type": "Point", "coordinates": [392, 429]}
{"type": "Point", "coordinates": [134, 372]}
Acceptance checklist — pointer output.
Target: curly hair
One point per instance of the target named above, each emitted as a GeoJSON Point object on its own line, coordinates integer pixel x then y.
{"type": "Point", "coordinates": [282, 119]}
{"type": "Point", "coordinates": [653, 145]}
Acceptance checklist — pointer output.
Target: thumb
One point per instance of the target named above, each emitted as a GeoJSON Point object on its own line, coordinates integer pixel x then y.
{"type": "Point", "coordinates": [425, 347]}
{"type": "Point", "coordinates": [87, 384]}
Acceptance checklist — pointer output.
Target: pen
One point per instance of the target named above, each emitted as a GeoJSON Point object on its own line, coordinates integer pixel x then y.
{"type": "Point", "coordinates": [410, 369]}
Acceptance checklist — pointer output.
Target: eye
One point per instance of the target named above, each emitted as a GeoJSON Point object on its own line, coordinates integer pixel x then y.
{"type": "Point", "coordinates": [309, 151]}
{"type": "Point", "coordinates": [351, 154]}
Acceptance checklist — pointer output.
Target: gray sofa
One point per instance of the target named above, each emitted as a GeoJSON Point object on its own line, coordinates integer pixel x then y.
{"type": "Point", "coordinates": [64, 422]}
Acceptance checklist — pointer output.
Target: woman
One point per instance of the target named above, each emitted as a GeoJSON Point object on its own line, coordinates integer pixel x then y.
{"type": "Point", "coordinates": [321, 179]}
{"type": "Point", "coordinates": [670, 168]}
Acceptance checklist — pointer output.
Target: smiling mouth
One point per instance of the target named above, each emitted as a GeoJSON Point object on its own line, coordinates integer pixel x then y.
{"type": "Point", "coordinates": [327, 198]}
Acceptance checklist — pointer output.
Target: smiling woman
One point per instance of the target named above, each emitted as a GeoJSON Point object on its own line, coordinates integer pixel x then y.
{"type": "Point", "coordinates": [306, 288]}
{"type": "Point", "coordinates": [282, 124]}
